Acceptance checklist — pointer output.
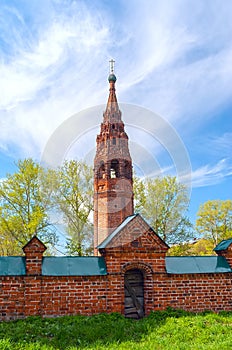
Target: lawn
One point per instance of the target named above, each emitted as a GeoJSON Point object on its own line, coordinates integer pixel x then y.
{"type": "Point", "coordinates": [170, 329]}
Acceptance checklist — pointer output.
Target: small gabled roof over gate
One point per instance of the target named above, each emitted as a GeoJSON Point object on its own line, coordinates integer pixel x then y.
{"type": "Point", "coordinates": [134, 229]}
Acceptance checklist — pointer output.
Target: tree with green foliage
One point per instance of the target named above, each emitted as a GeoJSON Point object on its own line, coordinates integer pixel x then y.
{"type": "Point", "coordinates": [8, 244]}
{"type": "Point", "coordinates": [181, 249]}
{"type": "Point", "coordinates": [74, 200]}
{"type": "Point", "coordinates": [31, 198]}
{"type": "Point", "coordinates": [163, 202]}
{"type": "Point", "coordinates": [24, 206]}
{"type": "Point", "coordinates": [198, 247]}
{"type": "Point", "coordinates": [214, 220]}
{"type": "Point", "coordinates": [201, 246]}
{"type": "Point", "coordinates": [139, 194]}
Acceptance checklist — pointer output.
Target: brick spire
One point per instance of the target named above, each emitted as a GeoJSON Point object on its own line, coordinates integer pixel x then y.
{"type": "Point", "coordinates": [112, 112]}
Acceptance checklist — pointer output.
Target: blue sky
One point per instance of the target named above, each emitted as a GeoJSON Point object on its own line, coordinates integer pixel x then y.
{"type": "Point", "coordinates": [173, 61]}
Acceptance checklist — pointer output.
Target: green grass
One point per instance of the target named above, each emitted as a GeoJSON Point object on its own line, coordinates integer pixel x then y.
{"type": "Point", "coordinates": [170, 329]}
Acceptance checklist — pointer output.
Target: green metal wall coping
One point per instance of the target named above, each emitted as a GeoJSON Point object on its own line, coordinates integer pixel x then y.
{"type": "Point", "coordinates": [95, 266]}
{"type": "Point", "coordinates": [73, 266]}
{"type": "Point", "coordinates": [196, 264]}
{"type": "Point", "coordinates": [12, 266]}
{"type": "Point", "coordinates": [223, 245]}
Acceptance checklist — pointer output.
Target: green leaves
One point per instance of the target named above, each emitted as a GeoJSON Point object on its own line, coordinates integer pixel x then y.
{"type": "Point", "coordinates": [214, 220]}
{"type": "Point", "coordinates": [163, 202]}
{"type": "Point", "coordinates": [24, 209]}
{"type": "Point", "coordinates": [74, 199]}
{"type": "Point", "coordinates": [32, 197]}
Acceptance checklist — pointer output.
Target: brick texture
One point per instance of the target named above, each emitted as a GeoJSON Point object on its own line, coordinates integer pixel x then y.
{"type": "Point", "coordinates": [34, 294]}
{"type": "Point", "coordinates": [113, 192]}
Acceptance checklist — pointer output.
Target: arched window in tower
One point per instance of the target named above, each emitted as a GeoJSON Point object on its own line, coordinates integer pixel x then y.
{"type": "Point", "coordinates": [114, 169]}
{"type": "Point", "coordinates": [101, 171]}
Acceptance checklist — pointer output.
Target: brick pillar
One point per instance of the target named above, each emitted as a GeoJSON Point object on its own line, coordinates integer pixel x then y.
{"type": "Point", "coordinates": [33, 250]}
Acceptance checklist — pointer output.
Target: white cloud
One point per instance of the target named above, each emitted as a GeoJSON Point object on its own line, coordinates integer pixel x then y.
{"type": "Point", "coordinates": [44, 84]}
{"type": "Point", "coordinates": [208, 175]}
{"type": "Point", "coordinates": [166, 60]}
{"type": "Point", "coordinates": [182, 60]}
{"type": "Point", "coordinates": [223, 144]}
{"type": "Point", "coordinates": [46, 61]}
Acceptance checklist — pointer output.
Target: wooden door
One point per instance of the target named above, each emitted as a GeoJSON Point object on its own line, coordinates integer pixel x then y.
{"type": "Point", "coordinates": [134, 294]}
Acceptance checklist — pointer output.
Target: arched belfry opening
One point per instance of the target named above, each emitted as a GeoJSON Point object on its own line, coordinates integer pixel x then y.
{"type": "Point", "coordinates": [101, 171]}
{"type": "Point", "coordinates": [114, 169]}
{"type": "Point", "coordinates": [113, 198]}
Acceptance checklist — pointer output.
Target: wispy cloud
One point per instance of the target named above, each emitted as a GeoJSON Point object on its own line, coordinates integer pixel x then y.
{"type": "Point", "coordinates": [46, 81]}
{"type": "Point", "coordinates": [222, 144]}
{"type": "Point", "coordinates": [182, 69]}
{"type": "Point", "coordinates": [208, 175]}
{"type": "Point", "coordinates": [166, 60]}
{"type": "Point", "coordinates": [40, 66]}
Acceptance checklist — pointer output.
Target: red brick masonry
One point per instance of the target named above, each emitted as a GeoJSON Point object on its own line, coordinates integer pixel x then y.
{"type": "Point", "coordinates": [33, 293]}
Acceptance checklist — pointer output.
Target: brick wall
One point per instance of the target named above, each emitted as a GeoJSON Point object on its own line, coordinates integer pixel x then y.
{"type": "Point", "coordinates": [12, 297]}
{"type": "Point", "coordinates": [34, 294]}
{"type": "Point", "coordinates": [193, 292]}
{"type": "Point", "coordinates": [55, 296]}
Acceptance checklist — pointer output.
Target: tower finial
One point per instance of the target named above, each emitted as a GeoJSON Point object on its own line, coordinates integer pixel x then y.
{"type": "Point", "coordinates": [112, 62]}
{"type": "Point", "coordinates": [112, 77]}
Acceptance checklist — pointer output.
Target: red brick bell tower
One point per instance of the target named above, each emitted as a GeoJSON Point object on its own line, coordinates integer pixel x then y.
{"type": "Point", "coordinates": [113, 192]}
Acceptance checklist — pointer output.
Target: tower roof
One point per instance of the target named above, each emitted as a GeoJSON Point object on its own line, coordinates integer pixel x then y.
{"type": "Point", "coordinates": [112, 108]}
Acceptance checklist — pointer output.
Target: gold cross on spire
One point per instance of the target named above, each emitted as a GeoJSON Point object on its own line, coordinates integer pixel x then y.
{"type": "Point", "coordinates": [112, 62]}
